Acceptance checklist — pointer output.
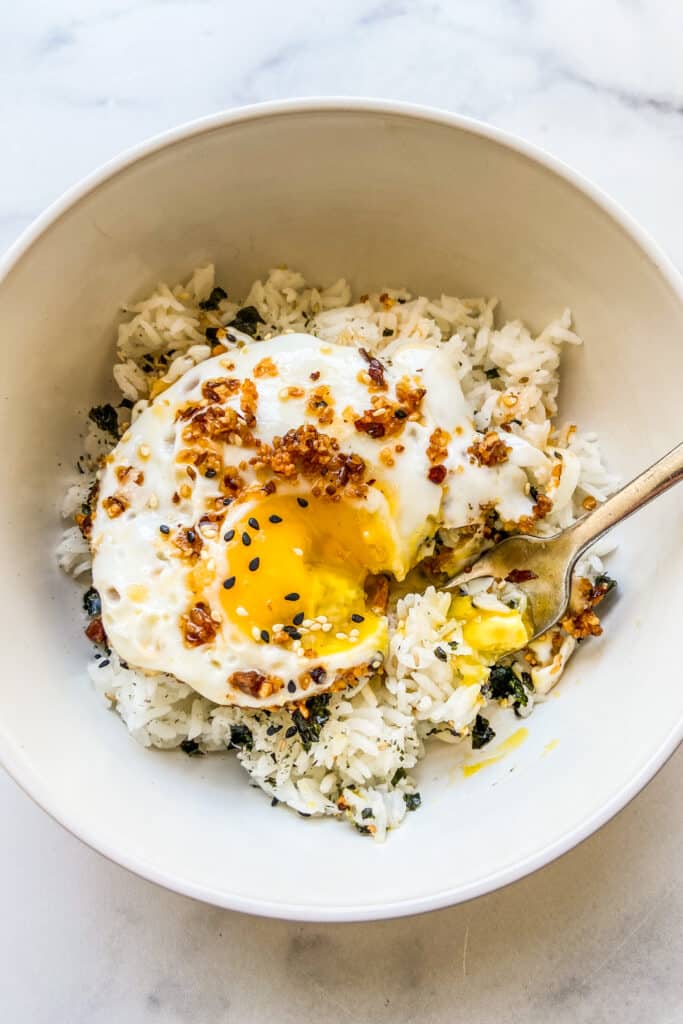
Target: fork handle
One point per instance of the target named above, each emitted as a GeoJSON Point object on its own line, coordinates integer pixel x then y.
{"type": "Point", "coordinates": [650, 484]}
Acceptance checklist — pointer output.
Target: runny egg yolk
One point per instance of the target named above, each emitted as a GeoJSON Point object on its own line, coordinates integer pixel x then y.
{"type": "Point", "coordinates": [301, 563]}
{"type": "Point", "coordinates": [491, 633]}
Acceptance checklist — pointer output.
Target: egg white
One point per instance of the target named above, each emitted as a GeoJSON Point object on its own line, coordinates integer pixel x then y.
{"type": "Point", "coordinates": [144, 584]}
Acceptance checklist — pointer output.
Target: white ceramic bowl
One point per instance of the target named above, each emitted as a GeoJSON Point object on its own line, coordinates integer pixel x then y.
{"type": "Point", "coordinates": [383, 194]}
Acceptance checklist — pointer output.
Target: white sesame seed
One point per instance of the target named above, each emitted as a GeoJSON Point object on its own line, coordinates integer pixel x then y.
{"type": "Point", "coordinates": [354, 634]}
{"type": "Point", "coordinates": [153, 501]}
{"type": "Point", "coordinates": [211, 565]}
{"type": "Point", "coordinates": [256, 632]}
{"type": "Point", "coordinates": [307, 623]}
{"type": "Point", "coordinates": [315, 626]}
{"type": "Point", "coordinates": [298, 551]}
{"type": "Point", "coordinates": [278, 627]}
{"type": "Point", "coordinates": [322, 619]}
{"type": "Point", "coordinates": [340, 636]}
{"type": "Point", "coordinates": [326, 627]}
{"type": "Point", "coordinates": [242, 611]}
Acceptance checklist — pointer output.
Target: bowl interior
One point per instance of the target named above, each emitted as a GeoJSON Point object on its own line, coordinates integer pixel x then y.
{"type": "Point", "coordinates": [382, 197]}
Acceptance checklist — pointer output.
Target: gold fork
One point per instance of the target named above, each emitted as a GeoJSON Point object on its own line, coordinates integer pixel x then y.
{"type": "Point", "coordinates": [543, 566]}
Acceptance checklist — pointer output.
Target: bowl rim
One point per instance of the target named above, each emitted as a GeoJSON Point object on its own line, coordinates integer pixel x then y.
{"type": "Point", "coordinates": [11, 755]}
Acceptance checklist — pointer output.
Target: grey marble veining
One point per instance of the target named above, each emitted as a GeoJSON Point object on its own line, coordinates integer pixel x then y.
{"type": "Point", "coordinates": [593, 938]}
{"type": "Point", "coordinates": [598, 84]}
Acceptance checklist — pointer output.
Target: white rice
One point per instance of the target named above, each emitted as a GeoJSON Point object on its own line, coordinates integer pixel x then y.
{"type": "Point", "coordinates": [369, 741]}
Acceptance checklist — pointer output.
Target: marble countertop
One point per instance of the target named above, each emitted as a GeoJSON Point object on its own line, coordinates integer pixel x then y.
{"type": "Point", "coordinates": [594, 937]}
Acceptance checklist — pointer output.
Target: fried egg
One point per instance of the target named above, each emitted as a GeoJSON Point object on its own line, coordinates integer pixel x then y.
{"type": "Point", "coordinates": [250, 520]}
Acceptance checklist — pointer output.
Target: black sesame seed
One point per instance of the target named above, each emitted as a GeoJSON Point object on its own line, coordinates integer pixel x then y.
{"type": "Point", "coordinates": [401, 414]}
{"type": "Point", "coordinates": [254, 564]}
{"type": "Point", "coordinates": [302, 503]}
{"type": "Point", "coordinates": [292, 731]}
{"type": "Point", "coordinates": [295, 634]}
{"type": "Point", "coordinates": [210, 473]}
{"type": "Point", "coordinates": [298, 618]}
{"type": "Point", "coordinates": [292, 597]}
{"type": "Point", "coordinates": [229, 583]}
{"type": "Point", "coordinates": [441, 654]}
{"type": "Point", "coordinates": [103, 664]}
{"type": "Point", "coordinates": [318, 674]}
{"type": "Point", "coordinates": [274, 802]}
{"type": "Point", "coordinates": [272, 729]}
{"type": "Point", "coordinates": [289, 630]}
{"type": "Point", "coordinates": [274, 519]}
{"type": "Point", "coordinates": [246, 540]}
{"type": "Point", "coordinates": [253, 523]}
{"type": "Point", "coordinates": [291, 686]}
{"type": "Point", "coordinates": [228, 501]}
{"type": "Point", "coordinates": [191, 536]}
{"type": "Point", "coordinates": [229, 535]}
{"type": "Point", "coordinates": [265, 636]}
{"type": "Point", "coordinates": [164, 529]}
{"type": "Point", "coordinates": [357, 618]}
